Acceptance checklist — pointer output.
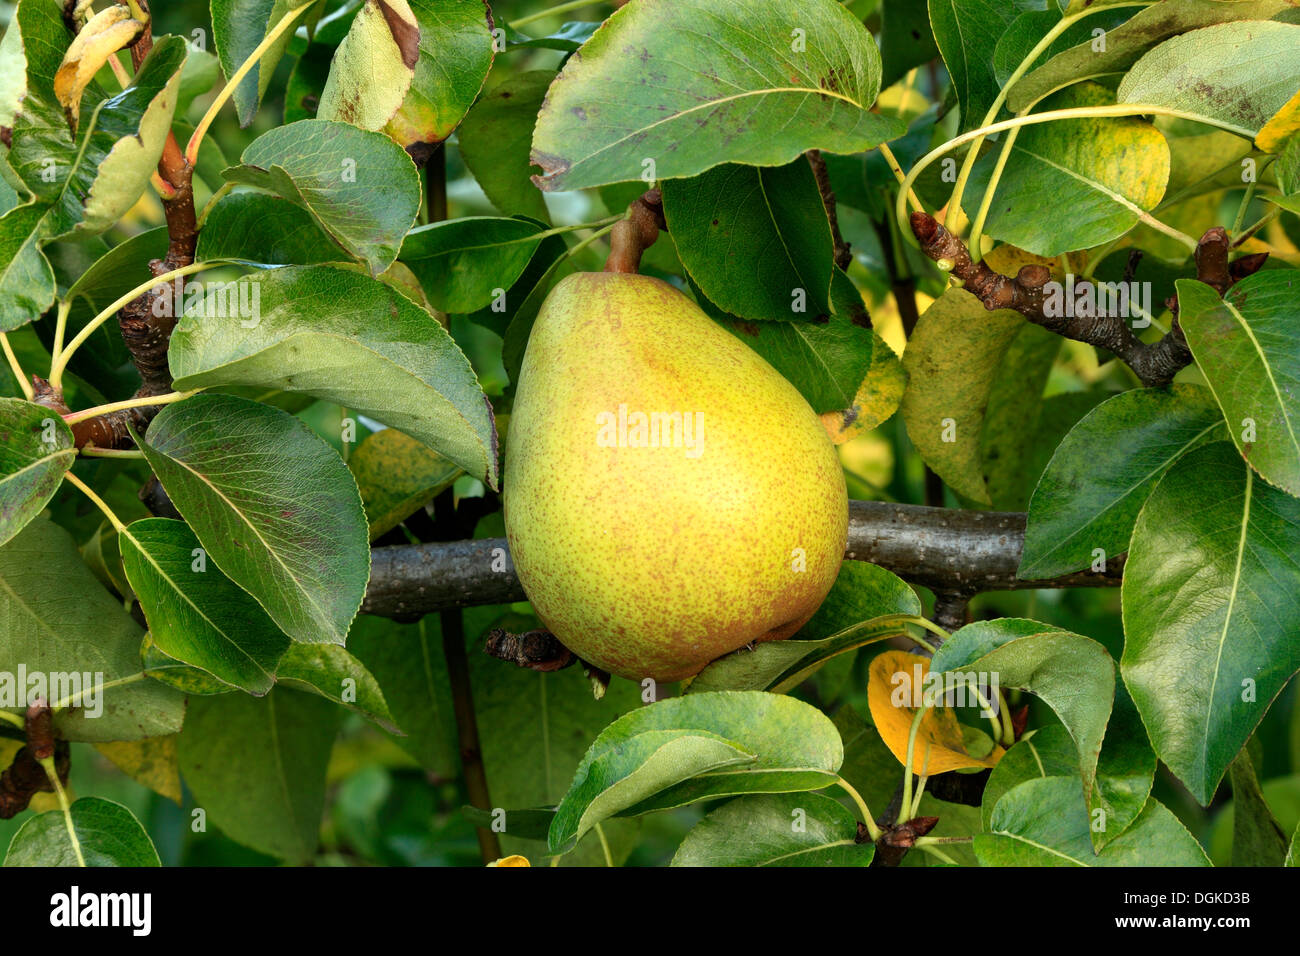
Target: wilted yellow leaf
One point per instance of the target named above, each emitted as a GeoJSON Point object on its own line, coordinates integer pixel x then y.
{"type": "Point", "coordinates": [511, 861]}
{"type": "Point", "coordinates": [151, 762]}
{"type": "Point", "coordinates": [896, 689]}
{"type": "Point", "coordinates": [373, 67]}
{"type": "Point", "coordinates": [108, 31]}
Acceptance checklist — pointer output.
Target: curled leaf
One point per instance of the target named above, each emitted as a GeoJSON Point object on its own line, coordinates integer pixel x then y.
{"type": "Point", "coordinates": [108, 31]}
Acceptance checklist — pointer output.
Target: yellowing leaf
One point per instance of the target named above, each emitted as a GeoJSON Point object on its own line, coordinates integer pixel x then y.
{"type": "Point", "coordinates": [896, 688]}
{"type": "Point", "coordinates": [878, 396]}
{"type": "Point", "coordinates": [103, 35]}
{"type": "Point", "coordinates": [151, 762]}
{"type": "Point", "coordinates": [1284, 124]}
{"type": "Point", "coordinates": [373, 67]}
{"type": "Point", "coordinates": [511, 861]}
{"type": "Point", "coordinates": [397, 476]}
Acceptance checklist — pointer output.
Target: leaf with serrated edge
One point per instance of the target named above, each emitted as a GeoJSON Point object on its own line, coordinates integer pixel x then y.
{"type": "Point", "coordinates": [1204, 612]}
{"type": "Point", "coordinates": [317, 334]}
{"type": "Point", "coordinates": [107, 835]}
{"type": "Point", "coordinates": [273, 506]}
{"type": "Point", "coordinates": [1245, 344]}
{"type": "Point", "coordinates": [1101, 473]}
{"type": "Point", "coordinates": [761, 106]}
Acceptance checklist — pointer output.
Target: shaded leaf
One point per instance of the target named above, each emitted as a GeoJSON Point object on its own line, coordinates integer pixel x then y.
{"type": "Point", "coordinates": [238, 26]}
{"type": "Point", "coordinates": [36, 450]}
{"type": "Point", "coordinates": [967, 33]}
{"type": "Point", "coordinates": [755, 240]}
{"type": "Point", "coordinates": [776, 829]}
{"type": "Point", "coordinates": [463, 263]}
{"type": "Point", "coordinates": [256, 227]}
{"type": "Point", "coordinates": [397, 476]}
{"type": "Point", "coordinates": [60, 620]}
{"type": "Point", "coordinates": [257, 766]}
{"type": "Point", "coordinates": [495, 138]}
{"type": "Point", "coordinates": [1257, 839]}
{"type": "Point", "coordinates": [333, 673]}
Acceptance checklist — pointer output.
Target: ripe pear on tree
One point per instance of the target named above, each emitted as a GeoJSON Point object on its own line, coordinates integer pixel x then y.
{"type": "Point", "coordinates": [669, 496]}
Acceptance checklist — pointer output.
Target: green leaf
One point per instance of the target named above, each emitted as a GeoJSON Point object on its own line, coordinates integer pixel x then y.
{"type": "Point", "coordinates": [1237, 73]}
{"type": "Point", "coordinates": [195, 613]}
{"type": "Point", "coordinates": [776, 829]}
{"type": "Point", "coordinates": [794, 746]}
{"type": "Point", "coordinates": [951, 361]}
{"type": "Point", "coordinates": [397, 476]}
{"type": "Point", "coordinates": [238, 26]}
{"type": "Point", "coordinates": [1293, 853]}
{"type": "Point", "coordinates": [1125, 44]}
{"type": "Point", "coordinates": [1209, 633]}
{"type": "Point", "coordinates": [1044, 823]}
{"type": "Point", "coordinates": [36, 451]}
{"type": "Point", "coordinates": [1245, 344]}
{"type": "Point", "coordinates": [60, 620]}
{"type": "Point", "coordinates": [967, 33]}
{"type": "Point", "coordinates": [256, 227]}
{"type": "Point", "coordinates": [186, 678]}
{"type": "Point", "coordinates": [455, 55]}
{"type": "Point", "coordinates": [906, 39]}
{"type": "Point", "coordinates": [256, 765]}
{"type": "Point", "coordinates": [799, 75]}
{"type": "Point", "coordinates": [534, 728]}
{"type": "Point", "coordinates": [1103, 471]}
{"type": "Point", "coordinates": [495, 138]}
{"type": "Point", "coordinates": [359, 186]}
{"type": "Point", "coordinates": [1106, 171]}
{"type": "Point", "coordinates": [272, 504]}
{"type": "Point", "coordinates": [1125, 770]}
{"type": "Point", "coordinates": [1010, 435]}
{"type": "Point", "coordinates": [1072, 674]}
{"type": "Point", "coordinates": [373, 66]}
{"type": "Point", "coordinates": [826, 360]}
{"type": "Point", "coordinates": [755, 240]}
{"type": "Point", "coordinates": [1257, 839]}
{"type": "Point", "coordinates": [333, 673]}
{"type": "Point", "coordinates": [568, 37]}
{"type": "Point", "coordinates": [107, 835]}
{"type": "Point", "coordinates": [463, 263]}
{"type": "Point", "coordinates": [864, 605]}
{"type": "Point", "coordinates": [317, 331]}
{"type": "Point", "coordinates": [1031, 26]}
{"type": "Point", "coordinates": [406, 661]}
{"type": "Point", "coordinates": [638, 768]}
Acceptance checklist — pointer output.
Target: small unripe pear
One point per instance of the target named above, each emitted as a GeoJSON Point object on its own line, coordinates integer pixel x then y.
{"type": "Point", "coordinates": [669, 496]}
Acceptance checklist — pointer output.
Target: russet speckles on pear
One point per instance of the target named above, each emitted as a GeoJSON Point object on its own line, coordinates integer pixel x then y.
{"type": "Point", "coordinates": [669, 497]}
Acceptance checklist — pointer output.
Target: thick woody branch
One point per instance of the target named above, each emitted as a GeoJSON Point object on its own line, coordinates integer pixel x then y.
{"type": "Point", "coordinates": [946, 550]}
{"type": "Point", "coordinates": [148, 321]}
{"type": "Point", "coordinates": [1155, 364]}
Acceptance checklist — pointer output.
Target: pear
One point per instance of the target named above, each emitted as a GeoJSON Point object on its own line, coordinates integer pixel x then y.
{"type": "Point", "coordinates": [669, 497]}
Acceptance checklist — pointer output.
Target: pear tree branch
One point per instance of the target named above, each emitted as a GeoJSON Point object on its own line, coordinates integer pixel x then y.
{"type": "Point", "coordinates": [1155, 364]}
{"type": "Point", "coordinates": [953, 552]}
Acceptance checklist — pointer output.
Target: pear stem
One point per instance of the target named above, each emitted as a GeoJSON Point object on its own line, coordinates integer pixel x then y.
{"type": "Point", "coordinates": [632, 236]}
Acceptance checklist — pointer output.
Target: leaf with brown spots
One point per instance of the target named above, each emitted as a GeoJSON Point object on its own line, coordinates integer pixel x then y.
{"type": "Point", "coordinates": [374, 66]}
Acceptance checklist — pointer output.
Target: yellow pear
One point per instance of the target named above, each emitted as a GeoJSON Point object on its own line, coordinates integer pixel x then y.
{"type": "Point", "coordinates": [669, 496]}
